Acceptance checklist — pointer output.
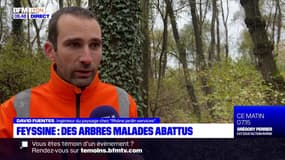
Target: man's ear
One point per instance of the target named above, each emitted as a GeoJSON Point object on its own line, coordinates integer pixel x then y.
{"type": "Point", "coordinates": [49, 51]}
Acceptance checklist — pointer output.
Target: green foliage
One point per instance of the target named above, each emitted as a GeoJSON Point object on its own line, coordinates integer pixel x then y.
{"type": "Point", "coordinates": [280, 59]}
{"type": "Point", "coordinates": [173, 102]}
{"type": "Point", "coordinates": [234, 83]}
{"type": "Point", "coordinates": [245, 47]}
{"type": "Point", "coordinates": [20, 69]}
{"type": "Point", "coordinates": [122, 56]}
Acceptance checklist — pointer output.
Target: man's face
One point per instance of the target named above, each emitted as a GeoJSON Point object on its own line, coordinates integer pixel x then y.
{"type": "Point", "coordinates": [79, 49]}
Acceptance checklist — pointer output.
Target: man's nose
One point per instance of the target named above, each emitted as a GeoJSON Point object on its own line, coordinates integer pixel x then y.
{"type": "Point", "coordinates": [86, 57]}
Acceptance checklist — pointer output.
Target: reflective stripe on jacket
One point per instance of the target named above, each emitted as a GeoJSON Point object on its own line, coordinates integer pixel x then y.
{"type": "Point", "coordinates": [22, 103]}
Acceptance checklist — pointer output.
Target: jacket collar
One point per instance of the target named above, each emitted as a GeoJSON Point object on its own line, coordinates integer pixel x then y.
{"type": "Point", "coordinates": [67, 90]}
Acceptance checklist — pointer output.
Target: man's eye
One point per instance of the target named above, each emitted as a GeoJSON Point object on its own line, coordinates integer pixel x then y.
{"type": "Point", "coordinates": [74, 44]}
{"type": "Point", "coordinates": [95, 45]}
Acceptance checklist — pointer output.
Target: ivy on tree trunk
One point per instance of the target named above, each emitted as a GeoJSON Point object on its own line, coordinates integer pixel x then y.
{"type": "Point", "coordinates": [122, 54]}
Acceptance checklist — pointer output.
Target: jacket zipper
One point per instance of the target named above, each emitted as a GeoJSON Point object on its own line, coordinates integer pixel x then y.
{"type": "Point", "coordinates": [78, 105]}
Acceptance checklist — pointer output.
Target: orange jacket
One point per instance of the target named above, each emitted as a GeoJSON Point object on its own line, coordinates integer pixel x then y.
{"type": "Point", "coordinates": [59, 99]}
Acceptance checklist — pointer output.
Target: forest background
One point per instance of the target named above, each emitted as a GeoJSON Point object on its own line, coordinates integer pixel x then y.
{"type": "Point", "coordinates": [182, 60]}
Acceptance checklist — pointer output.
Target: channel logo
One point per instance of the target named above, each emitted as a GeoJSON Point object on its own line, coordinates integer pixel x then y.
{"type": "Point", "coordinates": [30, 13]}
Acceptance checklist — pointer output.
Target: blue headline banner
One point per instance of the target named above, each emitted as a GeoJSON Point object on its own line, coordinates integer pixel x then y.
{"type": "Point", "coordinates": [84, 120]}
{"type": "Point", "coordinates": [259, 121]}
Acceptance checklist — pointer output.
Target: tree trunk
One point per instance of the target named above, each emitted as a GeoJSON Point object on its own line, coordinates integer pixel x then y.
{"type": "Point", "coordinates": [29, 35]}
{"type": "Point", "coordinates": [78, 3]}
{"type": "Point", "coordinates": [162, 55]}
{"type": "Point", "coordinates": [279, 25]}
{"type": "Point", "coordinates": [38, 29]}
{"type": "Point", "coordinates": [198, 39]}
{"type": "Point", "coordinates": [263, 47]}
{"type": "Point", "coordinates": [199, 50]}
{"type": "Point", "coordinates": [1, 24]}
{"type": "Point", "coordinates": [211, 51]}
{"type": "Point", "coordinates": [90, 4]}
{"type": "Point", "coordinates": [225, 21]}
{"type": "Point", "coordinates": [60, 3]}
{"type": "Point", "coordinates": [17, 25]}
{"type": "Point", "coordinates": [218, 46]}
{"type": "Point", "coordinates": [202, 17]}
{"type": "Point", "coordinates": [273, 25]}
{"type": "Point", "coordinates": [146, 53]}
{"type": "Point", "coordinates": [122, 62]}
{"type": "Point", "coordinates": [182, 55]}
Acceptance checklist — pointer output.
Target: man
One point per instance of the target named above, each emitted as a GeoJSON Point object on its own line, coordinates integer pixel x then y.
{"type": "Point", "coordinates": [74, 90]}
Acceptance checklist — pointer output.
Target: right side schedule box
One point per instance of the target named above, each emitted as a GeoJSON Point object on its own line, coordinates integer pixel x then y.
{"type": "Point", "coordinates": [265, 121]}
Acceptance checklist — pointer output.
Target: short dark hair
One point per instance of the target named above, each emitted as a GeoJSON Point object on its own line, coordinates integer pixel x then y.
{"type": "Point", "coordinates": [75, 11]}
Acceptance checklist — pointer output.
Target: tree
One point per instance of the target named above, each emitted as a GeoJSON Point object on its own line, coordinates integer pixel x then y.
{"type": "Point", "coordinates": [218, 45]}
{"type": "Point", "coordinates": [78, 2]}
{"type": "Point", "coordinates": [17, 27]}
{"type": "Point", "coordinates": [163, 54]}
{"type": "Point", "coordinates": [279, 24]}
{"type": "Point", "coordinates": [4, 27]}
{"type": "Point", "coordinates": [211, 51]}
{"type": "Point", "coordinates": [225, 21]}
{"type": "Point", "coordinates": [37, 28]}
{"type": "Point", "coordinates": [263, 47]}
{"type": "Point", "coordinates": [182, 56]}
{"type": "Point", "coordinates": [122, 56]}
{"type": "Point", "coordinates": [60, 2]}
{"type": "Point", "coordinates": [274, 21]}
{"type": "Point", "coordinates": [145, 8]}
{"type": "Point", "coordinates": [198, 36]}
